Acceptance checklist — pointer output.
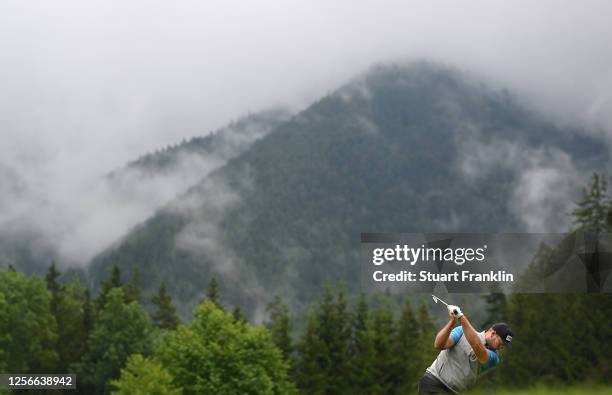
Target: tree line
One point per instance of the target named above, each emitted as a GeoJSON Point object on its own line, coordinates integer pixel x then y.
{"type": "Point", "coordinates": [114, 346]}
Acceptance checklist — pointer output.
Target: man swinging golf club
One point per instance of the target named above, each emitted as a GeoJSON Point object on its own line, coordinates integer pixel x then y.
{"type": "Point", "coordinates": [464, 353]}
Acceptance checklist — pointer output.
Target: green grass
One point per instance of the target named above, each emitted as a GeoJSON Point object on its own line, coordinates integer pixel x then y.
{"type": "Point", "coordinates": [543, 390]}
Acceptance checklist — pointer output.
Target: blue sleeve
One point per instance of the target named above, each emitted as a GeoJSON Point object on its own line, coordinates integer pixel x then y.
{"type": "Point", "coordinates": [456, 334]}
{"type": "Point", "coordinates": [492, 362]}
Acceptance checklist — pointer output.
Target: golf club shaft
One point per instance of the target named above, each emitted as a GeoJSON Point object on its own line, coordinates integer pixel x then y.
{"type": "Point", "coordinates": [446, 304]}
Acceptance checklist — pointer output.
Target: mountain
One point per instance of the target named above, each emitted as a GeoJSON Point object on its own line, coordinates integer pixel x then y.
{"type": "Point", "coordinates": [121, 199]}
{"type": "Point", "coordinates": [417, 148]}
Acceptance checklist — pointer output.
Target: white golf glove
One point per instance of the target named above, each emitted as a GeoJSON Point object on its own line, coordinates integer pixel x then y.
{"type": "Point", "coordinates": [455, 311]}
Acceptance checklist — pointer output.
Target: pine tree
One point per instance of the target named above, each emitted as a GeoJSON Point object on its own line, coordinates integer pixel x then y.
{"type": "Point", "coordinates": [132, 288]}
{"type": "Point", "coordinates": [121, 329]}
{"type": "Point", "coordinates": [594, 215]}
{"type": "Point", "coordinates": [427, 335]}
{"type": "Point", "coordinates": [408, 350]}
{"type": "Point", "coordinates": [309, 375]}
{"type": "Point", "coordinates": [361, 350]}
{"type": "Point", "coordinates": [53, 286]}
{"type": "Point", "coordinates": [323, 363]}
{"type": "Point", "coordinates": [69, 315]}
{"type": "Point", "coordinates": [115, 279]}
{"type": "Point", "coordinates": [88, 312]}
{"type": "Point", "coordinates": [384, 360]}
{"type": "Point", "coordinates": [51, 278]}
{"type": "Point", "coordinates": [523, 311]}
{"type": "Point", "coordinates": [165, 317]}
{"type": "Point", "coordinates": [237, 314]}
{"type": "Point", "coordinates": [113, 282]}
{"type": "Point", "coordinates": [496, 306]}
{"type": "Point", "coordinates": [334, 332]}
{"type": "Point", "coordinates": [280, 326]}
{"type": "Point", "coordinates": [594, 207]}
{"type": "Point", "coordinates": [213, 292]}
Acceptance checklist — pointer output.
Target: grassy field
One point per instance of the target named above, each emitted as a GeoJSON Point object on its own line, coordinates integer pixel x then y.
{"type": "Point", "coordinates": [541, 390]}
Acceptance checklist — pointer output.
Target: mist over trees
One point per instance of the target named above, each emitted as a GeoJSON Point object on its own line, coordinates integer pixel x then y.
{"type": "Point", "coordinates": [417, 148]}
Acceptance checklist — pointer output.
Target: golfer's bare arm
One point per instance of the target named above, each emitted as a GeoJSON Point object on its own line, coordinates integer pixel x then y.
{"type": "Point", "coordinates": [472, 337]}
{"type": "Point", "coordinates": [443, 339]}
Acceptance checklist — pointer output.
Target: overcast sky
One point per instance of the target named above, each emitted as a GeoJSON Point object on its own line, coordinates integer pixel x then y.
{"type": "Point", "coordinates": [87, 85]}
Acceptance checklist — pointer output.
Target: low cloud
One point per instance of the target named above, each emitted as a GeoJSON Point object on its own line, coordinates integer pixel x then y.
{"type": "Point", "coordinates": [546, 190]}
{"type": "Point", "coordinates": [206, 206]}
{"type": "Point", "coordinates": [79, 216]}
{"type": "Point", "coordinates": [545, 179]}
{"type": "Point", "coordinates": [89, 87]}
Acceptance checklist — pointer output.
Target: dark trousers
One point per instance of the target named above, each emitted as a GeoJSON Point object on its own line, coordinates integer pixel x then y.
{"type": "Point", "coordinates": [429, 384]}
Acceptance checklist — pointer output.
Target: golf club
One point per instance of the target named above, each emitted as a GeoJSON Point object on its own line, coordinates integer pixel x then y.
{"type": "Point", "coordinates": [436, 299]}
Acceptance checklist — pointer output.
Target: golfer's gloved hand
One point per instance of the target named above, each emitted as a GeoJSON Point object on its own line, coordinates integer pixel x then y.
{"type": "Point", "coordinates": [455, 311]}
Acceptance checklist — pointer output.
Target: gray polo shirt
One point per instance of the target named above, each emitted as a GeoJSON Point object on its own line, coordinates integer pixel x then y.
{"type": "Point", "coordinates": [457, 367]}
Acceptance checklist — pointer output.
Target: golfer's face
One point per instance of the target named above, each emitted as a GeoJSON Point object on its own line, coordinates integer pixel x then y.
{"type": "Point", "coordinates": [495, 341]}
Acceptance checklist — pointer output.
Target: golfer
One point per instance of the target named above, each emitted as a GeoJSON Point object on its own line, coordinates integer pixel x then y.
{"type": "Point", "coordinates": [464, 354]}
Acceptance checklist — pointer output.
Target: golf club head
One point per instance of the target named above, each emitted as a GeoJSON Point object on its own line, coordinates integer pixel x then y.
{"type": "Point", "coordinates": [436, 299]}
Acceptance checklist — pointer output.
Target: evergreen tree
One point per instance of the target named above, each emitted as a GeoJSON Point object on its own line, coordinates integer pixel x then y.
{"type": "Point", "coordinates": [334, 326]}
{"type": "Point", "coordinates": [120, 330]}
{"type": "Point", "coordinates": [89, 316]}
{"type": "Point", "coordinates": [51, 278]}
{"type": "Point", "coordinates": [132, 288]}
{"type": "Point", "coordinates": [280, 326]}
{"type": "Point", "coordinates": [594, 207]}
{"type": "Point", "coordinates": [428, 334]}
{"type": "Point", "coordinates": [361, 350]}
{"type": "Point", "coordinates": [496, 306]}
{"type": "Point", "coordinates": [237, 314]}
{"type": "Point", "coordinates": [88, 312]}
{"type": "Point", "coordinates": [71, 324]}
{"type": "Point", "coordinates": [594, 215]}
{"type": "Point", "coordinates": [212, 293]}
{"type": "Point", "coordinates": [408, 350]}
{"type": "Point", "coordinates": [312, 355]}
{"type": "Point", "coordinates": [115, 278]}
{"type": "Point", "coordinates": [114, 281]}
{"type": "Point", "coordinates": [165, 317]}
{"type": "Point", "coordinates": [53, 286]}
{"type": "Point", "coordinates": [531, 278]}
{"type": "Point", "coordinates": [384, 358]}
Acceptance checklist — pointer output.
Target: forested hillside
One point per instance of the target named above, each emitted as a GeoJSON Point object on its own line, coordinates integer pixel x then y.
{"type": "Point", "coordinates": [417, 148]}
{"type": "Point", "coordinates": [220, 145]}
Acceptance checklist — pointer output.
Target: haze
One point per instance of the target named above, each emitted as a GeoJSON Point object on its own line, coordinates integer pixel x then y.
{"type": "Point", "coordinates": [87, 86]}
